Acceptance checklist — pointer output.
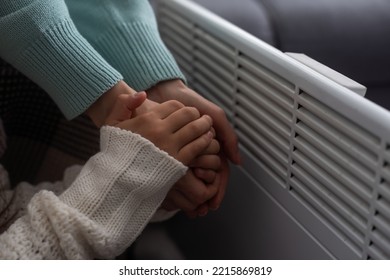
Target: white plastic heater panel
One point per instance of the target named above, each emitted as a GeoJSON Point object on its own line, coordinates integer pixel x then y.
{"type": "Point", "coordinates": [319, 149]}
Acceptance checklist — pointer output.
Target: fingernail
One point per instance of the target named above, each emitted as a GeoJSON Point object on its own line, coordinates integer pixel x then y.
{"type": "Point", "coordinates": [209, 118]}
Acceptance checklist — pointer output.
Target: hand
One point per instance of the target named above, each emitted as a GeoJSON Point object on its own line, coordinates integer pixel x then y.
{"type": "Point", "coordinates": [177, 90]}
{"type": "Point", "coordinates": [174, 128]}
{"type": "Point", "coordinates": [125, 108]}
{"type": "Point", "coordinates": [194, 196]}
{"type": "Point", "coordinates": [200, 184]}
{"type": "Point", "coordinates": [199, 189]}
{"type": "Point", "coordinates": [100, 110]}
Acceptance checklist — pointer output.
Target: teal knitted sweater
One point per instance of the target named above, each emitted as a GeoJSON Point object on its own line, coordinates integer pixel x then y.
{"type": "Point", "coordinates": [78, 49]}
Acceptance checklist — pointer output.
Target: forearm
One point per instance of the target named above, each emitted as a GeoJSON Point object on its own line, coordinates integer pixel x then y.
{"type": "Point", "coordinates": [125, 33]}
{"type": "Point", "coordinates": [39, 38]}
{"type": "Point", "coordinates": [104, 210]}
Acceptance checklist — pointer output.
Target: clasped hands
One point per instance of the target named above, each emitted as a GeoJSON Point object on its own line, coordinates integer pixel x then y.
{"type": "Point", "coordinates": [186, 126]}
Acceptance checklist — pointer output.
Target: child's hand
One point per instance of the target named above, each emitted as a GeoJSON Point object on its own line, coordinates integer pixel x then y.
{"type": "Point", "coordinates": [174, 128]}
{"type": "Point", "coordinates": [208, 163]}
{"type": "Point", "coordinates": [124, 107]}
{"type": "Point", "coordinates": [193, 191]}
{"type": "Point", "coordinates": [199, 190]}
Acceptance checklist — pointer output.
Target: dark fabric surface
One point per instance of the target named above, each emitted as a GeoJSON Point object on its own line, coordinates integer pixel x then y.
{"type": "Point", "coordinates": [34, 124]}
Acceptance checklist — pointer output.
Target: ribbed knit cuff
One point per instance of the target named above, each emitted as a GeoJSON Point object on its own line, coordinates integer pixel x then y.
{"type": "Point", "coordinates": [66, 66]}
{"type": "Point", "coordinates": [138, 53]}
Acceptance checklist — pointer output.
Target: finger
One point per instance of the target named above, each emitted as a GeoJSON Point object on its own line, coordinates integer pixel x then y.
{"type": "Point", "coordinates": [193, 149]}
{"type": "Point", "coordinates": [182, 117]}
{"type": "Point", "coordinates": [147, 106]}
{"type": "Point", "coordinates": [195, 190]}
{"type": "Point", "coordinates": [186, 194]}
{"type": "Point", "coordinates": [202, 210]}
{"type": "Point", "coordinates": [221, 181]}
{"type": "Point", "coordinates": [133, 101]}
{"type": "Point", "coordinates": [226, 136]}
{"type": "Point", "coordinates": [124, 106]}
{"type": "Point", "coordinates": [195, 129]}
{"type": "Point", "coordinates": [169, 205]}
{"type": "Point", "coordinates": [165, 109]}
{"type": "Point", "coordinates": [212, 162]}
{"type": "Point", "coordinates": [178, 201]}
{"type": "Point", "coordinates": [213, 148]}
{"type": "Point", "coordinates": [224, 131]}
{"type": "Point", "coordinates": [213, 131]}
{"type": "Point", "coordinates": [206, 175]}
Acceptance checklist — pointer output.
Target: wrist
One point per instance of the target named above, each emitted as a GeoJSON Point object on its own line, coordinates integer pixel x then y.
{"type": "Point", "coordinates": [166, 90]}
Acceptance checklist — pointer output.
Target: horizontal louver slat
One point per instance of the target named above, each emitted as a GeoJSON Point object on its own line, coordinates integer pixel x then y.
{"type": "Point", "coordinates": [340, 226]}
{"type": "Point", "coordinates": [269, 77]}
{"type": "Point", "coordinates": [336, 154]}
{"type": "Point", "coordinates": [215, 43]}
{"type": "Point", "coordinates": [355, 132]}
{"type": "Point", "coordinates": [348, 198]}
{"type": "Point", "coordinates": [245, 78]}
{"type": "Point", "coordinates": [274, 166]}
{"type": "Point", "coordinates": [263, 129]}
{"type": "Point", "coordinates": [256, 100]}
{"type": "Point", "coordinates": [334, 173]}
{"type": "Point", "coordinates": [337, 137]}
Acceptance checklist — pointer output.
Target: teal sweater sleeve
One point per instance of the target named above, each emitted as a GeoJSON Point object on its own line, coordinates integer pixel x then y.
{"type": "Point", "coordinates": [39, 38]}
{"type": "Point", "coordinates": [125, 33]}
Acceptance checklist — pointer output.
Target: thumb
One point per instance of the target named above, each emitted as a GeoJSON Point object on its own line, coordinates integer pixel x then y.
{"type": "Point", "coordinates": [133, 101]}
{"type": "Point", "coordinates": [124, 107]}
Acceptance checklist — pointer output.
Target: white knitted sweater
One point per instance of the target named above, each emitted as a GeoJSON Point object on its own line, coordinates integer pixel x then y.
{"type": "Point", "coordinates": [96, 215]}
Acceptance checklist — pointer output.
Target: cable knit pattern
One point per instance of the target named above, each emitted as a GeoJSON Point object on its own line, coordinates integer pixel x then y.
{"type": "Point", "coordinates": [101, 213]}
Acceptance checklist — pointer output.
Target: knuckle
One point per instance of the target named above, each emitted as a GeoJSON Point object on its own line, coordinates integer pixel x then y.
{"type": "Point", "coordinates": [215, 147]}
{"type": "Point", "coordinates": [191, 112]}
{"type": "Point", "coordinates": [206, 196]}
{"type": "Point", "coordinates": [200, 125]}
{"type": "Point", "coordinates": [195, 126]}
{"type": "Point", "coordinates": [202, 196]}
{"type": "Point", "coordinates": [175, 104]}
{"type": "Point", "coordinates": [203, 142]}
{"type": "Point", "coordinates": [189, 207]}
{"type": "Point", "coordinates": [148, 116]}
{"type": "Point", "coordinates": [216, 162]}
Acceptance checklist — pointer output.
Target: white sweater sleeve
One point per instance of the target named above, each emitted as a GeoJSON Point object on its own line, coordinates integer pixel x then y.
{"type": "Point", "coordinates": [102, 212]}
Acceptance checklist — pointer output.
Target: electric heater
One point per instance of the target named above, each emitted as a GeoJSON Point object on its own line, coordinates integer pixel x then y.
{"type": "Point", "coordinates": [315, 182]}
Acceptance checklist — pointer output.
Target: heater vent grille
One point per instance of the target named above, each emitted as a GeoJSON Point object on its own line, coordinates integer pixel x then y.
{"type": "Point", "coordinates": [325, 149]}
